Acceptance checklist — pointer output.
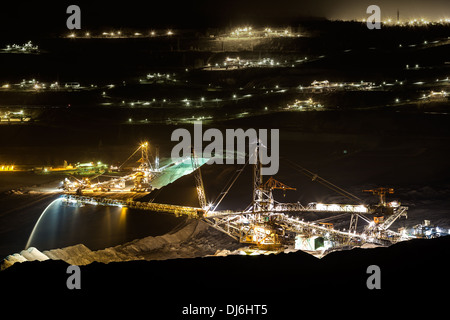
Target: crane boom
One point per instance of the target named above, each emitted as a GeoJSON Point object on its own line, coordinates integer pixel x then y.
{"type": "Point", "coordinates": [198, 181]}
{"type": "Point", "coordinates": [227, 187]}
{"type": "Point", "coordinates": [275, 184]}
{"type": "Point", "coordinates": [328, 184]}
{"type": "Point", "coordinates": [381, 192]}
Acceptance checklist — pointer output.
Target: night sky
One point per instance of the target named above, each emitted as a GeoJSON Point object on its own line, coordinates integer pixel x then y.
{"type": "Point", "coordinates": [46, 16]}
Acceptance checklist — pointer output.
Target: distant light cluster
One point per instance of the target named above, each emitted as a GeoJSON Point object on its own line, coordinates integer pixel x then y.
{"type": "Point", "coordinates": [25, 48]}
{"type": "Point", "coordinates": [250, 32]}
{"type": "Point", "coordinates": [237, 62]}
{"type": "Point", "coordinates": [413, 22]}
{"type": "Point", "coordinates": [7, 167]}
{"type": "Point", "coordinates": [159, 78]}
{"type": "Point", "coordinates": [36, 85]}
{"type": "Point", "coordinates": [433, 95]}
{"type": "Point", "coordinates": [326, 85]}
{"type": "Point", "coordinates": [121, 34]}
{"type": "Point", "coordinates": [236, 33]}
{"type": "Point", "coordinates": [14, 116]}
{"type": "Point", "coordinates": [304, 105]}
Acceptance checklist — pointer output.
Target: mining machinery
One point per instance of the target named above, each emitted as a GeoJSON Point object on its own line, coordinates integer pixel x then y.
{"type": "Point", "coordinates": [270, 224]}
{"type": "Point", "coordinates": [141, 177]}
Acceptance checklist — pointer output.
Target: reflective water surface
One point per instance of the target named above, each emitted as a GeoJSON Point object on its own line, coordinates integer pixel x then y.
{"type": "Point", "coordinates": [97, 227]}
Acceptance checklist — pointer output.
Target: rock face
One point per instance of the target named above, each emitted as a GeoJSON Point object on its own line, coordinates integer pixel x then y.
{"type": "Point", "coordinates": [192, 239]}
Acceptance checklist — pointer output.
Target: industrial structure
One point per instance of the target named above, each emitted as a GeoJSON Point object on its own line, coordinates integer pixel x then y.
{"type": "Point", "coordinates": [141, 176]}
{"type": "Point", "coordinates": [268, 32]}
{"type": "Point", "coordinates": [305, 105]}
{"type": "Point", "coordinates": [14, 116]}
{"type": "Point", "coordinates": [27, 47]}
{"type": "Point", "coordinates": [266, 223]}
{"type": "Point", "coordinates": [270, 224]}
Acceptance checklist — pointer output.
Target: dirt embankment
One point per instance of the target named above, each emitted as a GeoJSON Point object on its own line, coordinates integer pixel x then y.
{"type": "Point", "coordinates": [189, 240]}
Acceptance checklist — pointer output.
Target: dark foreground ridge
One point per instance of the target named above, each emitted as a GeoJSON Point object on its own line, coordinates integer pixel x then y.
{"type": "Point", "coordinates": [289, 284]}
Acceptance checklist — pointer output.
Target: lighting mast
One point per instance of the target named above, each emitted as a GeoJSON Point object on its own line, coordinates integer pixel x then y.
{"type": "Point", "coordinates": [257, 180]}
{"type": "Point", "coordinates": [145, 164]}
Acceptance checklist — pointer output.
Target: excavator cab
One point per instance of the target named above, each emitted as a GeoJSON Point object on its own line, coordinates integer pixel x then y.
{"type": "Point", "coordinates": [378, 219]}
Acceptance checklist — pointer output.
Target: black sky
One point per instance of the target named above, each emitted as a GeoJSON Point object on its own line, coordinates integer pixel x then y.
{"type": "Point", "coordinates": [50, 16]}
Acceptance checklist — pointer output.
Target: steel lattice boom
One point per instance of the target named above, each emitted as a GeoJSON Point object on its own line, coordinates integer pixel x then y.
{"type": "Point", "coordinates": [268, 223]}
